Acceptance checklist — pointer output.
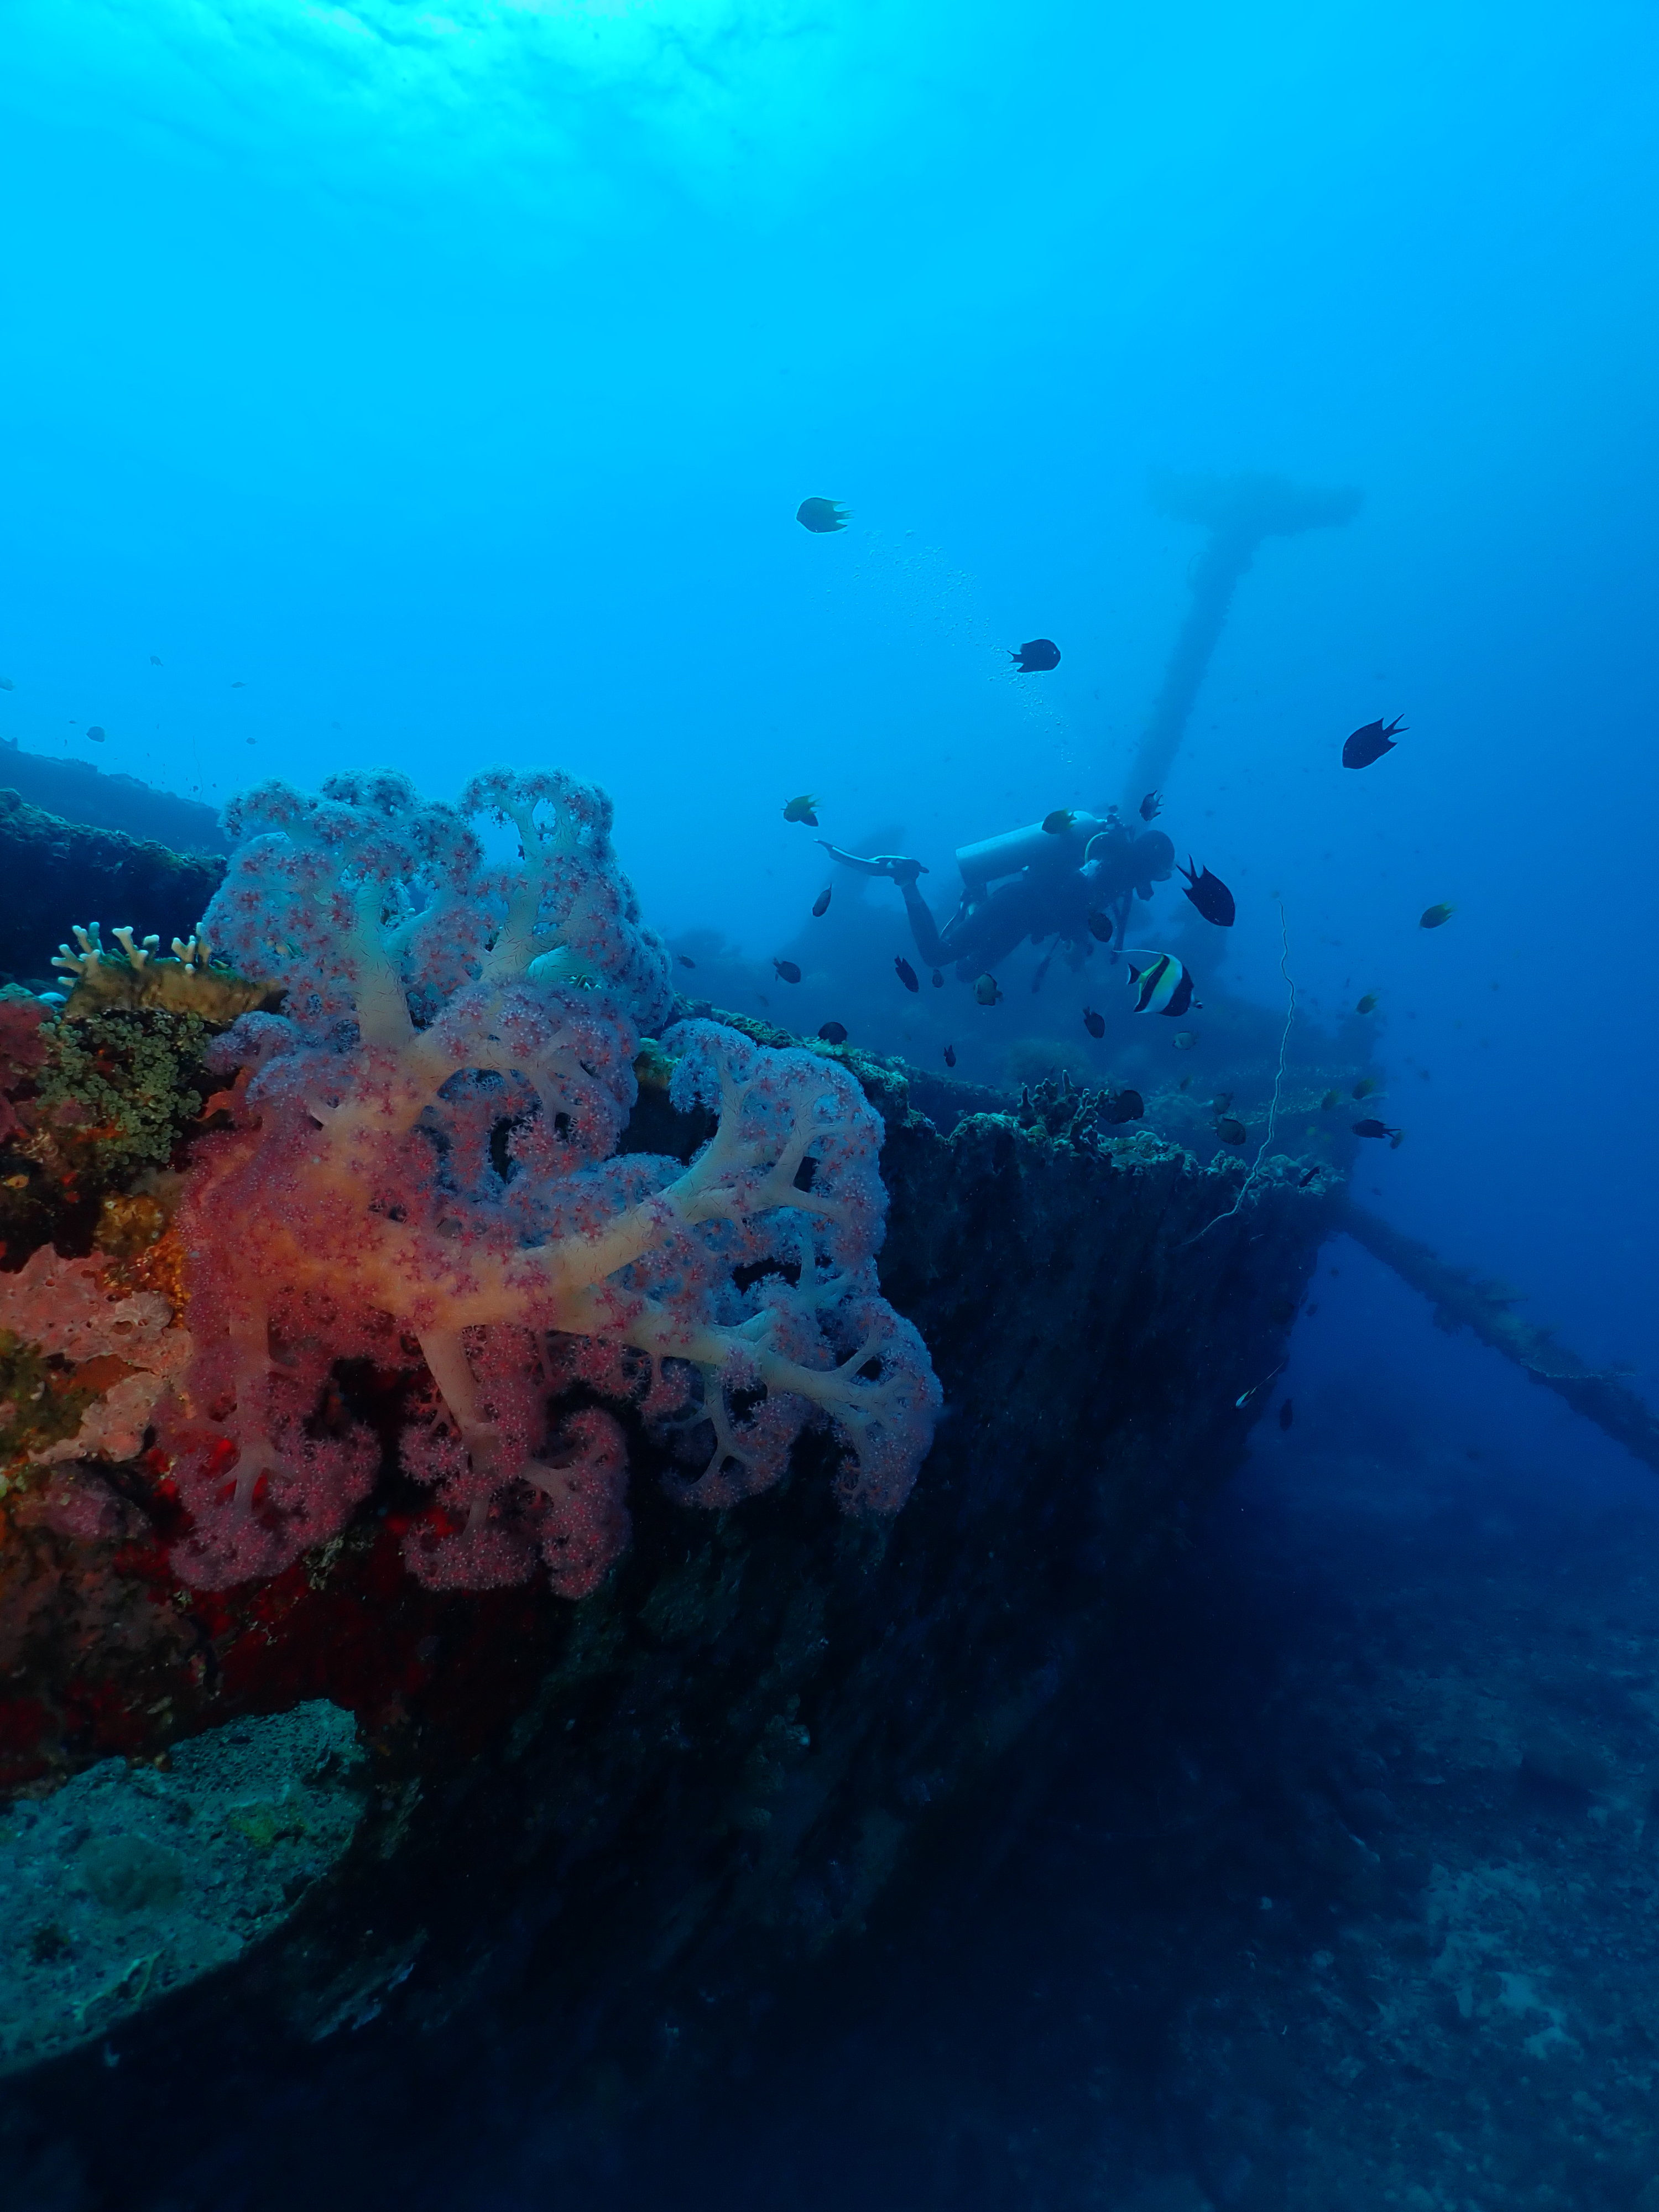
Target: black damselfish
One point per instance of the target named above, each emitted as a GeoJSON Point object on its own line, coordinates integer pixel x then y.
{"type": "Point", "coordinates": [1036, 655]}
{"type": "Point", "coordinates": [1370, 743]}
{"type": "Point", "coordinates": [1210, 896]}
{"type": "Point", "coordinates": [905, 972]}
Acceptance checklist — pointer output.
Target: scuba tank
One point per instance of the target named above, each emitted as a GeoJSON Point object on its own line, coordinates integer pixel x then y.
{"type": "Point", "coordinates": [1031, 847]}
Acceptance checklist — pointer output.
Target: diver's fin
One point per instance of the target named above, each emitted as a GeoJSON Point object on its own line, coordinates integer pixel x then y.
{"type": "Point", "coordinates": [852, 859]}
{"type": "Point", "coordinates": [881, 864]}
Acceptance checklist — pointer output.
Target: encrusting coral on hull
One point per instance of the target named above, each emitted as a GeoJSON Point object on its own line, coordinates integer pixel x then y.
{"type": "Point", "coordinates": [719, 1759]}
{"type": "Point", "coordinates": [422, 1177]}
{"type": "Point", "coordinates": [62, 1309]}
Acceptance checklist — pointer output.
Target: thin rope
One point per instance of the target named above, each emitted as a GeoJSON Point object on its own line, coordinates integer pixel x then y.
{"type": "Point", "coordinates": [1244, 1187]}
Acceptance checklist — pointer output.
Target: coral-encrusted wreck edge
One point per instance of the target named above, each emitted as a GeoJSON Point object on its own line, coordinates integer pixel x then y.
{"type": "Point", "coordinates": [720, 1760]}
{"type": "Point", "coordinates": [617, 1819]}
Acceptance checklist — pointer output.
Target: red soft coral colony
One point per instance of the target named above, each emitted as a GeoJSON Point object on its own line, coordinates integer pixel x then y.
{"type": "Point", "coordinates": [422, 1175]}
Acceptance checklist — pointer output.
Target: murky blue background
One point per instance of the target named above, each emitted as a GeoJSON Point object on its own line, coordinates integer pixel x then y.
{"type": "Point", "coordinates": [449, 378]}
{"type": "Point", "coordinates": [446, 379]}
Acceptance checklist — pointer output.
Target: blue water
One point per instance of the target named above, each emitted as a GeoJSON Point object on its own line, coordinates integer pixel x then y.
{"type": "Point", "coordinates": [439, 386]}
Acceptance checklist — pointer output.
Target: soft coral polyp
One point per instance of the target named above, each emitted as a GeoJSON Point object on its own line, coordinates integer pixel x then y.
{"type": "Point", "coordinates": [423, 1176]}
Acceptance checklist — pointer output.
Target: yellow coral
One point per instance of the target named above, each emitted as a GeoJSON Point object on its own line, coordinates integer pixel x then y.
{"type": "Point", "coordinates": [130, 974]}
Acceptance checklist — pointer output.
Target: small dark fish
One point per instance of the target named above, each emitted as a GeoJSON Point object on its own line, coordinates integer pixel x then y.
{"type": "Point", "coordinates": [685, 960]}
{"type": "Point", "coordinates": [1432, 916]}
{"type": "Point", "coordinates": [1125, 1106]}
{"type": "Point", "coordinates": [1221, 1102]}
{"type": "Point", "coordinates": [1037, 654]}
{"type": "Point", "coordinates": [1368, 1004]}
{"type": "Point", "coordinates": [155, 660]}
{"type": "Point", "coordinates": [1307, 1178]}
{"type": "Point", "coordinates": [822, 515]}
{"type": "Point", "coordinates": [1230, 1131]}
{"type": "Point", "coordinates": [1396, 1138]}
{"type": "Point", "coordinates": [1209, 895]}
{"type": "Point", "coordinates": [1286, 1415]}
{"type": "Point", "coordinates": [949, 1055]}
{"type": "Point", "coordinates": [802, 810]}
{"type": "Point", "coordinates": [1094, 1022]}
{"type": "Point", "coordinates": [833, 1033]}
{"type": "Point", "coordinates": [1245, 1396]}
{"type": "Point", "coordinates": [6, 684]}
{"type": "Point", "coordinates": [1101, 929]}
{"type": "Point", "coordinates": [1059, 821]}
{"type": "Point", "coordinates": [1369, 1128]}
{"type": "Point", "coordinates": [821, 905]}
{"type": "Point", "coordinates": [239, 685]}
{"type": "Point", "coordinates": [938, 979]}
{"type": "Point", "coordinates": [1371, 743]}
{"type": "Point", "coordinates": [905, 972]}
{"type": "Point", "coordinates": [787, 971]}
{"type": "Point", "coordinates": [1331, 1099]}
{"type": "Point", "coordinates": [988, 990]}
{"type": "Point", "coordinates": [95, 732]}
{"type": "Point", "coordinates": [1184, 1040]}
{"type": "Point", "coordinates": [1185, 1084]}
{"type": "Point", "coordinates": [1151, 806]}
{"type": "Point", "coordinates": [1366, 1086]}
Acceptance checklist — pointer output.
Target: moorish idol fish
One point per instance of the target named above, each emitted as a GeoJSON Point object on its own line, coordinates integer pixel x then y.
{"type": "Point", "coordinates": [1164, 986]}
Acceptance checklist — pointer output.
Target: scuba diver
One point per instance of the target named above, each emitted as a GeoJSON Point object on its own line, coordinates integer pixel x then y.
{"type": "Point", "coordinates": [1072, 883]}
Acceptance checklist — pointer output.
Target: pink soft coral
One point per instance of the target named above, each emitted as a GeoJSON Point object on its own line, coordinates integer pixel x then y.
{"type": "Point", "coordinates": [423, 1177]}
{"type": "Point", "coordinates": [22, 1049]}
{"type": "Point", "coordinates": [62, 1306]}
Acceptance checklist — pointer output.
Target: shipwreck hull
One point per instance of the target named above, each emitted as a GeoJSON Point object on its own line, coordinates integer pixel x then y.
{"type": "Point", "coordinates": [624, 1819]}
{"type": "Point", "coordinates": [338, 1844]}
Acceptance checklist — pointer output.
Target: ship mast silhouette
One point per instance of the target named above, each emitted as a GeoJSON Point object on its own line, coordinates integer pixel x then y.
{"type": "Point", "coordinates": [1239, 512]}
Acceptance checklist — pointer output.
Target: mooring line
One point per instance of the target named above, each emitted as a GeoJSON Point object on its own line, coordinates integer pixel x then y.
{"type": "Point", "coordinates": [1278, 1083]}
